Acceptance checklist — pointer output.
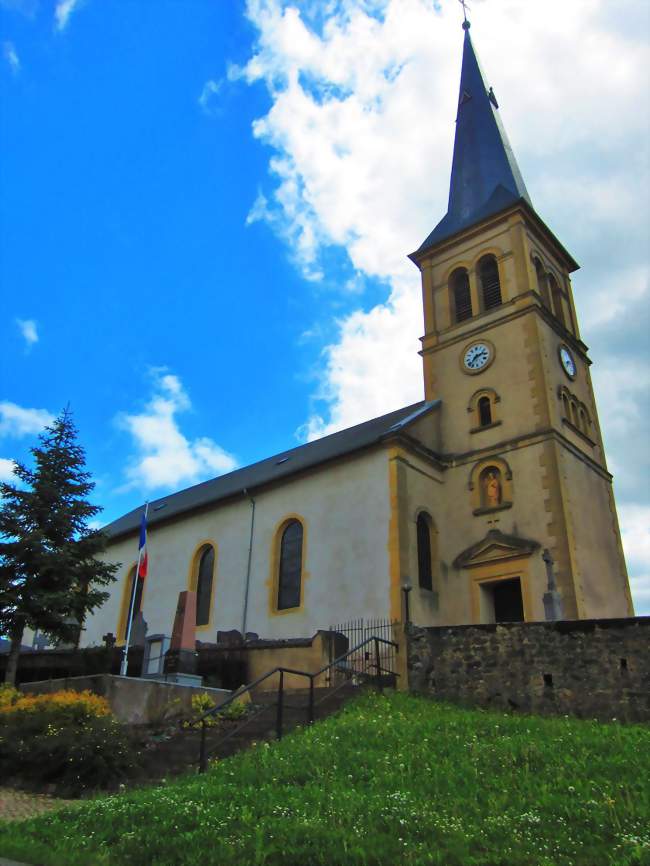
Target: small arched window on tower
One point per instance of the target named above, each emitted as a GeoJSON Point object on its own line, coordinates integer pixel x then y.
{"type": "Point", "coordinates": [490, 283]}
{"type": "Point", "coordinates": [542, 284]}
{"type": "Point", "coordinates": [556, 294]}
{"type": "Point", "coordinates": [290, 566]}
{"type": "Point", "coordinates": [565, 406]}
{"type": "Point", "coordinates": [425, 565]}
{"type": "Point", "coordinates": [484, 411]}
{"type": "Point", "coordinates": [203, 581]}
{"type": "Point", "coordinates": [584, 422]}
{"type": "Point", "coordinates": [461, 297]}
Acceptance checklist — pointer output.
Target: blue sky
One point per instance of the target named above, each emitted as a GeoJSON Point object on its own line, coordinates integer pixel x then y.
{"type": "Point", "coordinates": [206, 207]}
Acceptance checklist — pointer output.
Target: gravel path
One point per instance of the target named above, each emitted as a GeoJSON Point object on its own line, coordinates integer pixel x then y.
{"type": "Point", "coordinates": [19, 805]}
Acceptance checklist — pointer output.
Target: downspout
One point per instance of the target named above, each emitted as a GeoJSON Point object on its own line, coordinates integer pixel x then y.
{"type": "Point", "coordinates": [248, 565]}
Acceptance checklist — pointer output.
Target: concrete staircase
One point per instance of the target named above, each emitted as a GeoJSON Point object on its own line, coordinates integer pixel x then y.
{"type": "Point", "coordinates": [178, 752]}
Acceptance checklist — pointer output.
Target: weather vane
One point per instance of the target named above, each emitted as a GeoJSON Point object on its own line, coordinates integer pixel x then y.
{"type": "Point", "coordinates": [465, 6]}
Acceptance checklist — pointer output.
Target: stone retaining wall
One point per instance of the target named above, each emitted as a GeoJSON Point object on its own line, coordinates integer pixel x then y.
{"type": "Point", "coordinates": [596, 669]}
{"type": "Point", "coordinates": [133, 701]}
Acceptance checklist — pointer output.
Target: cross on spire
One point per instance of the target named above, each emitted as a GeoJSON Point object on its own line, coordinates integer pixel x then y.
{"type": "Point", "coordinates": [465, 6]}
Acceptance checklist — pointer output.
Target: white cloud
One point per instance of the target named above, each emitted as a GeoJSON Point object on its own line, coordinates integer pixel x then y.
{"type": "Point", "coordinates": [28, 330]}
{"type": "Point", "coordinates": [63, 11]}
{"type": "Point", "coordinates": [6, 469]}
{"type": "Point", "coordinates": [361, 123]}
{"type": "Point", "coordinates": [207, 99]}
{"type": "Point", "coordinates": [11, 56]}
{"type": "Point", "coordinates": [17, 421]}
{"type": "Point", "coordinates": [166, 457]}
{"type": "Point", "coordinates": [635, 529]}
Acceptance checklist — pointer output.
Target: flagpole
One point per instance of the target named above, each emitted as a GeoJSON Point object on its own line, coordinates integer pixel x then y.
{"type": "Point", "coordinates": [134, 589]}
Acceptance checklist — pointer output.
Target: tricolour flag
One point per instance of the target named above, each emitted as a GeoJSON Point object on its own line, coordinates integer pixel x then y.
{"type": "Point", "coordinates": [142, 549]}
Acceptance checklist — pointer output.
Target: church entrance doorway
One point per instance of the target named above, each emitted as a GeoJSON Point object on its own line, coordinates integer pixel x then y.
{"type": "Point", "coordinates": [502, 601]}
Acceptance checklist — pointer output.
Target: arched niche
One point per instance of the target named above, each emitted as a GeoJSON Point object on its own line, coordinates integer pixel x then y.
{"type": "Point", "coordinates": [490, 485]}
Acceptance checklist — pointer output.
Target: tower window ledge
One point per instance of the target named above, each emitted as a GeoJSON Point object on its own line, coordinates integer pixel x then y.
{"type": "Point", "coordinates": [578, 432]}
{"type": "Point", "coordinates": [504, 505]}
{"type": "Point", "coordinates": [485, 427]}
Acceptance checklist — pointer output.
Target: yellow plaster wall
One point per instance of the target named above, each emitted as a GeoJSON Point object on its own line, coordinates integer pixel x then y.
{"type": "Point", "coordinates": [561, 492]}
{"type": "Point", "coordinates": [302, 658]}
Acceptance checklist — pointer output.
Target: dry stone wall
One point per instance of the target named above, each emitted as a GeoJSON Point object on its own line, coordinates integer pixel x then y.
{"type": "Point", "coordinates": [596, 669]}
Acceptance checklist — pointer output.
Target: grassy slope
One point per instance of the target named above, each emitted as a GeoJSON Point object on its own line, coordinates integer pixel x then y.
{"type": "Point", "coordinates": [396, 780]}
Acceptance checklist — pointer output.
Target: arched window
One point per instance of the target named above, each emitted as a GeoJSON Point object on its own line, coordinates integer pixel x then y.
{"type": "Point", "coordinates": [556, 294]}
{"type": "Point", "coordinates": [584, 423]}
{"type": "Point", "coordinates": [490, 284]}
{"type": "Point", "coordinates": [425, 570]}
{"type": "Point", "coordinates": [542, 284]}
{"type": "Point", "coordinates": [565, 405]}
{"type": "Point", "coordinates": [126, 602]}
{"type": "Point", "coordinates": [204, 580]}
{"type": "Point", "coordinates": [462, 299]}
{"type": "Point", "coordinates": [574, 415]}
{"type": "Point", "coordinates": [484, 411]}
{"type": "Point", "coordinates": [290, 567]}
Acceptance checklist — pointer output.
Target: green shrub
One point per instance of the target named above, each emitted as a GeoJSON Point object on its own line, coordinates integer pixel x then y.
{"type": "Point", "coordinates": [202, 703]}
{"type": "Point", "coordinates": [66, 739]}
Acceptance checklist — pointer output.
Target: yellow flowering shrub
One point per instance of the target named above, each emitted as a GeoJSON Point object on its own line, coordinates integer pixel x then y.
{"type": "Point", "coordinates": [66, 738]}
{"type": "Point", "coordinates": [66, 702]}
{"type": "Point", "coordinates": [8, 696]}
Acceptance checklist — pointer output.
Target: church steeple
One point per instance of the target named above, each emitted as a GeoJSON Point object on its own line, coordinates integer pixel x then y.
{"type": "Point", "coordinates": [485, 177]}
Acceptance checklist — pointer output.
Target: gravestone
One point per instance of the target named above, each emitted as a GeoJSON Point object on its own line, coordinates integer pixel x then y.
{"type": "Point", "coordinates": [138, 630]}
{"type": "Point", "coordinates": [232, 638]}
{"type": "Point", "coordinates": [153, 660]}
{"type": "Point", "coordinates": [180, 660]}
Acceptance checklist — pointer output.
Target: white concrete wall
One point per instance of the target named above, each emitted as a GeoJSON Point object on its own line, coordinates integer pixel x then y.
{"type": "Point", "coordinates": [345, 510]}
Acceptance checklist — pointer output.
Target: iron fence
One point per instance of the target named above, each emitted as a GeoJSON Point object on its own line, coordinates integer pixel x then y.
{"type": "Point", "coordinates": [354, 632]}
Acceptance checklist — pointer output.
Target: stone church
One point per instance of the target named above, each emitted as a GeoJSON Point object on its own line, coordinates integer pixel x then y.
{"type": "Point", "coordinates": [475, 498]}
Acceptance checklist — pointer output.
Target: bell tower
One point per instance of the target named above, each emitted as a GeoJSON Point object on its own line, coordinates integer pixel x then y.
{"type": "Point", "coordinates": [502, 352]}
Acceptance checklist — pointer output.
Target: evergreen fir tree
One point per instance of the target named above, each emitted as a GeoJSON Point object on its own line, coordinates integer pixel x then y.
{"type": "Point", "coordinates": [50, 576]}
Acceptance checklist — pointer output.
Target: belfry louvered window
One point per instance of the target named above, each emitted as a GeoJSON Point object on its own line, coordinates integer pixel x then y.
{"type": "Point", "coordinates": [290, 569]}
{"type": "Point", "coordinates": [461, 295]}
{"type": "Point", "coordinates": [490, 285]}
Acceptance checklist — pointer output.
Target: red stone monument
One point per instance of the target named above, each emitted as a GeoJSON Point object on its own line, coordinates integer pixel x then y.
{"type": "Point", "coordinates": [181, 656]}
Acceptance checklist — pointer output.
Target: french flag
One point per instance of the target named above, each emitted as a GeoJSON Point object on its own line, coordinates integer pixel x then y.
{"type": "Point", "coordinates": [142, 549]}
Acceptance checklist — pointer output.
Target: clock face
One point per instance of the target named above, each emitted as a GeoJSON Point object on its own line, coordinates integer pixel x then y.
{"type": "Point", "coordinates": [476, 357]}
{"type": "Point", "coordinates": [568, 364]}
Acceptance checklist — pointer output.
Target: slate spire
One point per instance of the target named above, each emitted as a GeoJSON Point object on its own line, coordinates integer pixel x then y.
{"type": "Point", "coordinates": [485, 177]}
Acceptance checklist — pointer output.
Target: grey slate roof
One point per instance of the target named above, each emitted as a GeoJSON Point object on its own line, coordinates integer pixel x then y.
{"type": "Point", "coordinates": [273, 469]}
{"type": "Point", "coordinates": [485, 177]}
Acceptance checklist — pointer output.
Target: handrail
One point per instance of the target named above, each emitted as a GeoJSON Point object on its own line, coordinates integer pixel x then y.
{"type": "Point", "coordinates": [242, 690]}
{"type": "Point", "coordinates": [282, 670]}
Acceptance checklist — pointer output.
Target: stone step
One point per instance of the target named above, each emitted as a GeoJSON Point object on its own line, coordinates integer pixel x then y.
{"type": "Point", "coordinates": [180, 753]}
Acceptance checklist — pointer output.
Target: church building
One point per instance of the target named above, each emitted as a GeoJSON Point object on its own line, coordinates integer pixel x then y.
{"type": "Point", "coordinates": [478, 498]}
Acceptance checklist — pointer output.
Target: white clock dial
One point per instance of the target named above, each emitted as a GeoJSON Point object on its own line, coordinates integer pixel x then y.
{"type": "Point", "coordinates": [568, 364]}
{"type": "Point", "coordinates": [476, 357]}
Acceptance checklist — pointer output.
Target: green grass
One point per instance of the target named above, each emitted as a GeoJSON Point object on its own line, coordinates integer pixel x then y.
{"type": "Point", "coordinates": [394, 780]}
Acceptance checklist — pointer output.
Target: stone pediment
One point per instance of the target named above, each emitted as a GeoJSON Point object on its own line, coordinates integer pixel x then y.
{"type": "Point", "coordinates": [494, 547]}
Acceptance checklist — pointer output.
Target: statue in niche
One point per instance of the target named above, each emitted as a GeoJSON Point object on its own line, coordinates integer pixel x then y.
{"type": "Point", "coordinates": [491, 487]}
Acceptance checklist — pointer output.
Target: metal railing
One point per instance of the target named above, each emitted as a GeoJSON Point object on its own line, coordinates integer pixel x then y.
{"type": "Point", "coordinates": [338, 664]}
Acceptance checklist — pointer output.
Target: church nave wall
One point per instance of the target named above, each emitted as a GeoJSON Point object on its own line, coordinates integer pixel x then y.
{"type": "Point", "coordinates": [344, 510]}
